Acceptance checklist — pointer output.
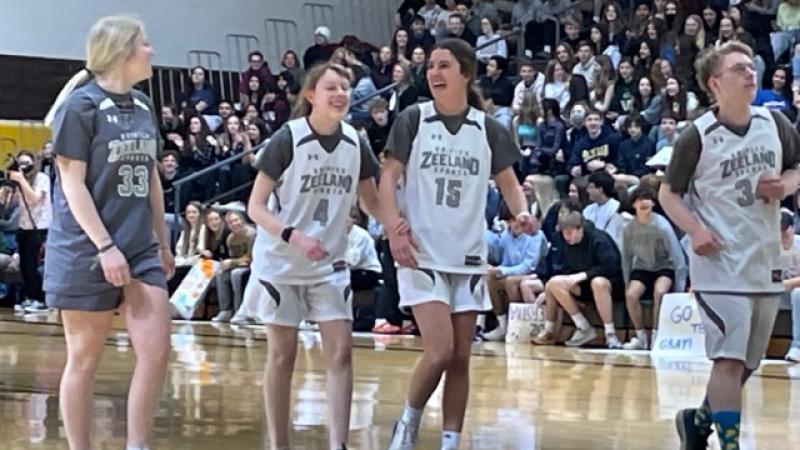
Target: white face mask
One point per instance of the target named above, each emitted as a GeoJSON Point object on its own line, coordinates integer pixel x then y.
{"type": "Point", "coordinates": [576, 117]}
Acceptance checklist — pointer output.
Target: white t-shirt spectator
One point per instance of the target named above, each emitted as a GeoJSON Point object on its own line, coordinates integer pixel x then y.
{"type": "Point", "coordinates": [499, 48]}
{"type": "Point", "coordinates": [601, 215]}
{"type": "Point", "coordinates": [361, 253]}
{"type": "Point", "coordinates": [536, 88]}
{"type": "Point", "coordinates": [41, 212]}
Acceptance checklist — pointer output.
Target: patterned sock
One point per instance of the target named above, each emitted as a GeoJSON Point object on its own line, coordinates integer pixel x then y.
{"type": "Point", "coordinates": [702, 418]}
{"type": "Point", "coordinates": [727, 423]}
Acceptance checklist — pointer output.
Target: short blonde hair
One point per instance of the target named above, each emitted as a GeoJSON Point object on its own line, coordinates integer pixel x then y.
{"type": "Point", "coordinates": [111, 41]}
{"type": "Point", "coordinates": [709, 60]}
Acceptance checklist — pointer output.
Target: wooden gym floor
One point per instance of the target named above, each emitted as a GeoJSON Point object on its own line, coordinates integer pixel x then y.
{"type": "Point", "coordinates": [523, 397]}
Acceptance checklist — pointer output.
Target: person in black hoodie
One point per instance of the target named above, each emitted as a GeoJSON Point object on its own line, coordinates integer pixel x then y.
{"type": "Point", "coordinates": [496, 82]}
{"type": "Point", "coordinates": [593, 272]}
{"type": "Point", "coordinates": [378, 128]}
{"type": "Point", "coordinates": [598, 148]}
{"type": "Point", "coordinates": [636, 150]}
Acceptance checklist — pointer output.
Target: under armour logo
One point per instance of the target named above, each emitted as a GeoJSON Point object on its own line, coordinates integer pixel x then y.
{"type": "Point", "coordinates": [112, 118]}
{"type": "Point", "coordinates": [313, 156]}
{"type": "Point", "coordinates": [436, 137]}
{"type": "Point", "coordinates": [717, 140]}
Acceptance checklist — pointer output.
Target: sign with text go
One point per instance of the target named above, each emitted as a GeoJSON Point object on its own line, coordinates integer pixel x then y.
{"type": "Point", "coordinates": [680, 327]}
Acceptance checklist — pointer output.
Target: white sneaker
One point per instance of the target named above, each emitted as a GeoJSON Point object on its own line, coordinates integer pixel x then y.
{"type": "Point", "coordinates": [404, 437]}
{"type": "Point", "coordinates": [36, 306]}
{"type": "Point", "coordinates": [21, 307]}
{"type": "Point", "coordinates": [223, 316]}
{"type": "Point", "coordinates": [613, 342]}
{"type": "Point", "coordinates": [652, 342]}
{"type": "Point", "coordinates": [496, 335]}
{"type": "Point", "coordinates": [634, 344]}
{"type": "Point", "coordinates": [793, 355]}
{"type": "Point", "coordinates": [581, 337]}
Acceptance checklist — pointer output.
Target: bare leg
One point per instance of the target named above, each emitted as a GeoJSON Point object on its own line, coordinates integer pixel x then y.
{"type": "Point", "coordinates": [436, 329]}
{"type": "Point", "coordinates": [85, 333]}
{"type": "Point", "coordinates": [281, 353]}
{"type": "Point", "coordinates": [601, 290]}
{"type": "Point", "coordinates": [337, 345]}
{"type": "Point", "coordinates": [559, 291]}
{"type": "Point", "coordinates": [147, 316]}
{"type": "Point", "coordinates": [496, 288]}
{"type": "Point", "coordinates": [456, 385]}
{"type": "Point", "coordinates": [725, 385]}
{"type": "Point", "coordinates": [530, 288]}
{"type": "Point", "coordinates": [632, 297]}
{"type": "Point", "coordinates": [663, 285]}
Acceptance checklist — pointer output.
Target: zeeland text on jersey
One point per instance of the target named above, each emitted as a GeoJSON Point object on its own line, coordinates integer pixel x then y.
{"type": "Point", "coordinates": [133, 146]}
{"type": "Point", "coordinates": [751, 159]}
{"type": "Point", "coordinates": [437, 160]}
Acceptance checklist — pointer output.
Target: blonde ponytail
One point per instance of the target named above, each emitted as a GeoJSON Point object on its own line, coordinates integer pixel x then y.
{"type": "Point", "coordinates": [77, 80]}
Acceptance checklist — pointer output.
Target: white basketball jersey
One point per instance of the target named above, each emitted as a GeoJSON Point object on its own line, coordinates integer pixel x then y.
{"type": "Point", "coordinates": [314, 195]}
{"type": "Point", "coordinates": [444, 196]}
{"type": "Point", "coordinates": [723, 196]}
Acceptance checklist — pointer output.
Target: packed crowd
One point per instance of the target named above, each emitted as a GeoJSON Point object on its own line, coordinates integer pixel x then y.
{"type": "Point", "coordinates": [595, 115]}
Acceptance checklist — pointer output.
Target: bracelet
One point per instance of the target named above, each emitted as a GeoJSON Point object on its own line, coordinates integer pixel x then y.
{"type": "Point", "coordinates": [286, 234]}
{"type": "Point", "coordinates": [106, 248]}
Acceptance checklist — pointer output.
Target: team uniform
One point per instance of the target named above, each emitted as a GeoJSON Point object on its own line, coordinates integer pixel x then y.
{"type": "Point", "coordinates": [448, 163]}
{"type": "Point", "coordinates": [316, 185]}
{"type": "Point", "coordinates": [117, 136]}
{"type": "Point", "coordinates": [718, 168]}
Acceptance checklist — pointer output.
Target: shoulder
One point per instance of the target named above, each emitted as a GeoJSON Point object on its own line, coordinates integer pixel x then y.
{"type": "Point", "coordinates": [411, 116]}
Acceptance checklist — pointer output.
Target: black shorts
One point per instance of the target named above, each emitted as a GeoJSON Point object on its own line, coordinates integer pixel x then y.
{"type": "Point", "coordinates": [648, 279]}
{"type": "Point", "coordinates": [586, 296]}
{"type": "Point", "coordinates": [145, 268]}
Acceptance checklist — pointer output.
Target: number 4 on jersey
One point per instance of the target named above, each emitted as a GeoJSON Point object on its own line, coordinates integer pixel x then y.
{"type": "Point", "coordinates": [321, 212]}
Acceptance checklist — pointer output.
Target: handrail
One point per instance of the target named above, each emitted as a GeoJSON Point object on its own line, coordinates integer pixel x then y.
{"type": "Point", "coordinates": [501, 36]}
{"type": "Point", "coordinates": [177, 184]}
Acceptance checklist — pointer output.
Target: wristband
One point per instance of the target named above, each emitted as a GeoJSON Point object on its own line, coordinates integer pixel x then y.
{"type": "Point", "coordinates": [286, 234]}
{"type": "Point", "coordinates": [106, 248]}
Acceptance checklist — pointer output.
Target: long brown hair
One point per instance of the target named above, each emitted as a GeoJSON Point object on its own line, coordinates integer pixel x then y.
{"type": "Point", "coordinates": [193, 233]}
{"type": "Point", "coordinates": [302, 106]}
{"type": "Point", "coordinates": [465, 56]}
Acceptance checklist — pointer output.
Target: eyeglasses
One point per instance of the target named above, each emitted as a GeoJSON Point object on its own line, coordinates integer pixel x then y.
{"type": "Point", "coordinates": [739, 69]}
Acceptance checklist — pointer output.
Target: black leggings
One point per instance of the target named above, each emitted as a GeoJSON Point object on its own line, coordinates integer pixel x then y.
{"type": "Point", "coordinates": [29, 244]}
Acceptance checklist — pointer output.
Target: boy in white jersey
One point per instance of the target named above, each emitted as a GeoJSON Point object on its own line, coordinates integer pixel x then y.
{"type": "Point", "coordinates": [314, 165]}
{"type": "Point", "coordinates": [734, 165]}
{"type": "Point", "coordinates": [445, 151]}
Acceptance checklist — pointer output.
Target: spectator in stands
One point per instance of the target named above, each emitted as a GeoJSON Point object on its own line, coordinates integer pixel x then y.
{"type": "Point", "coordinates": [456, 28]}
{"type": "Point", "coordinates": [169, 170]}
{"type": "Point", "coordinates": [378, 128]}
{"type": "Point", "coordinates": [594, 273]}
{"type": "Point", "coordinates": [47, 162]}
{"type": "Point", "coordinates": [521, 253]}
{"type": "Point", "coordinates": [321, 50]}
{"type": "Point", "coordinates": [251, 114]}
{"type": "Point", "coordinates": [232, 142]}
{"type": "Point", "coordinates": [556, 83]}
{"type": "Point", "coordinates": [9, 221]}
{"type": "Point", "coordinates": [525, 129]}
{"type": "Point", "coordinates": [677, 100]}
{"type": "Point", "coordinates": [777, 98]}
{"type": "Point", "coordinates": [614, 23]}
{"type": "Point", "coordinates": [727, 31]}
{"type": "Point", "coordinates": [565, 56]}
{"type": "Point", "coordinates": [711, 16]}
{"type": "Point", "coordinates": [641, 15]}
{"type": "Point", "coordinates": [33, 190]}
{"type": "Point", "coordinates": [257, 132]}
{"type": "Point", "coordinates": [258, 68]}
{"type": "Point", "coordinates": [502, 114]}
{"type": "Point", "coordinates": [225, 110]}
{"type": "Point", "coordinates": [645, 57]}
{"type": "Point", "coordinates": [233, 270]}
{"type": "Point", "coordinates": [275, 109]}
{"type": "Point", "coordinates": [253, 94]}
{"type": "Point", "coordinates": [552, 139]}
{"type": "Point", "coordinates": [496, 83]}
{"type": "Point", "coordinates": [216, 244]}
{"type": "Point", "coordinates": [361, 256]}
{"type": "Point", "coordinates": [171, 128]}
{"type": "Point", "coordinates": [636, 150]}
{"type": "Point", "coordinates": [197, 153]}
{"type": "Point", "coordinates": [603, 209]}
{"type": "Point", "coordinates": [647, 103]}
{"type": "Point", "coordinates": [693, 28]}
{"type": "Point", "coordinates": [624, 91]}
{"type": "Point", "coordinates": [419, 68]}
{"type": "Point", "coordinates": [471, 21]}
{"type": "Point", "coordinates": [291, 64]}
{"type": "Point", "coordinates": [572, 33]}
{"type": "Point", "coordinates": [531, 82]}
{"type": "Point", "coordinates": [420, 36]}
{"type": "Point", "coordinates": [400, 49]}
{"type": "Point", "coordinates": [649, 261]}
{"type": "Point", "coordinates": [363, 87]}
{"type": "Point", "coordinates": [602, 91]}
{"type": "Point", "coordinates": [488, 33]}
{"type": "Point", "coordinates": [598, 148]}
{"type": "Point", "coordinates": [202, 98]}
{"type": "Point", "coordinates": [598, 35]}
{"type": "Point", "coordinates": [758, 21]}
{"type": "Point", "coordinates": [667, 131]}
{"type": "Point", "coordinates": [404, 93]}
{"type": "Point", "coordinates": [193, 236]}
{"type": "Point", "coordinates": [382, 72]}
{"type": "Point", "coordinates": [790, 261]}
{"type": "Point", "coordinates": [578, 92]}
{"type": "Point", "coordinates": [788, 25]}
{"type": "Point", "coordinates": [481, 9]}
{"type": "Point", "coordinates": [406, 13]}
{"type": "Point", "coordinates": [430, 11]}
{"type": "Point", "coordinates": [586, 65]}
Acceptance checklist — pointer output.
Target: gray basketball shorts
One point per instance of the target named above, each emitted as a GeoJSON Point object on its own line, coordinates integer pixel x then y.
{"type": "Point", "coordinates": [145, 268]}
{"type": "Point", "coordinates": [290, 304]}
{"type": "Point", "coordinates": [461, 292]}
{"type": "Point", "coordinates": [738, 326]}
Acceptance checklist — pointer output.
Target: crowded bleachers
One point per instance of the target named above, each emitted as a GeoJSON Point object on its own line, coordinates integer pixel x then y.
{"type": "Point", "coordinates": [592, 91]}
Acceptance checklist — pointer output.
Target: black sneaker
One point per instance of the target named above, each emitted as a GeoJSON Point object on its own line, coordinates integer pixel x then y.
{"type": "Point", "coordinates": [692, 436]}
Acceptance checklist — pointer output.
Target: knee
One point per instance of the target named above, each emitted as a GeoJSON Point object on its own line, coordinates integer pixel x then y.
{"type": "Point", "coordinates": [600, 284]}
{"type": "Point", "coordinates": [658, 294]}
{"type": "Point", "coordinates": [340, 358]}
{"type": "Point", "coordinates": [282, 359]}
{"type": "Point", "coordinates": [510, 284]}
{"type": "Point", "coordinates": [555, 284]}
{"type": "Point", "coordinates": [440, 356]}
{"type": "Point", "coordinates": [84, 361]}
{"type": "Point", "coordinates": [459, 362]}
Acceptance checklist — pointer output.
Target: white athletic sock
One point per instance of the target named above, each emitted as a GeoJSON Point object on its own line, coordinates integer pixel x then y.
{"type": "Point", "coordinates": [580, 321]}
{"type": "Point", "coordinates": [481, 322]}
{"type": "Point", "coordinates": [411, 416]}
{"type": "Point", "coordinates": [642, 335]}
{"type": "Point", "coordinates": [502, 321]}
{"type": "Point", "coordinates": [610, 329]}
{"type": "Point", "coordinates": [379, 322]}
{"type": "Point", "coordinates": [550, 326]}
{"type": "Point", "coordinates": [451, 440]}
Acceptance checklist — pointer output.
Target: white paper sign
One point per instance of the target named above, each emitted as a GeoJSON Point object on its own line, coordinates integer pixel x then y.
{"type": "Point", "coordinates": [680, 327]}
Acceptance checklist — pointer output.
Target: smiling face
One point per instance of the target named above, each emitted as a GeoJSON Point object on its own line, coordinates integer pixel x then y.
{"type": "Point", "coordinates": [330, 98]}
{"type": "Point", "coordinates": [192, 214]}
{"type": "Point", "coordinates": [195, 126]}
{"type": "Point", "coordinates": [385, 55]}
{"type": "Point", "coordinates": [398, 74]}
{"type": "Point", "coordinates": [444, 76]}
{"type": "Point", "coordinates": [198, 76]}
{"type": "Point", "coordinates": [213, 221]}
{"type": "Point", "coordinates": [235, 223]}
{"type": "Point", "coordinates": [254, 84]}
{"type": "Point", "coordinates": [418, 56]}
{"type": "Point", "coordinates": [401, 38]}
{"type": "Point", "coordinates": [289, 60]}
{"type": "Point", "coordinates": [645, 87]}
{"type": "Point", "coordinates": [779, 79]}
{"type": "Point", "coordinates": [726, 28]}
{"type": "Point", "coordinates": [233, 125]}
{"type": "Point", "coordinates": [644, 51]}
{"type": "Point", "coordinates": [691, 27]}
{"type": "Point", "coordinates": [673, 88]}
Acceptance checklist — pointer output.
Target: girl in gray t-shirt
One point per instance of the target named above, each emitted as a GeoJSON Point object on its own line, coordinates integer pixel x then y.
{"type": "Point", "coordinates": [108, 248]}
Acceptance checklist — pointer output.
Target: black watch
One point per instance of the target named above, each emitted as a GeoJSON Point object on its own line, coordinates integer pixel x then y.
{"type": "Point", "coordinates": [286, 234]}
